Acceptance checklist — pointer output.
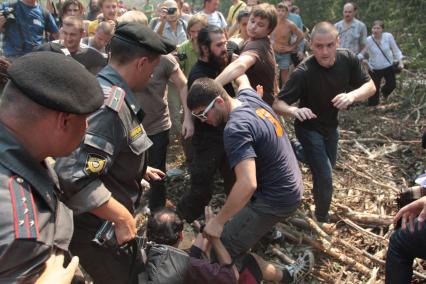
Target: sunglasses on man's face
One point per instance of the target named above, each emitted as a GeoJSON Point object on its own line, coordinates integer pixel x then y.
{"type": "Point", "coordinates": [203, 115]}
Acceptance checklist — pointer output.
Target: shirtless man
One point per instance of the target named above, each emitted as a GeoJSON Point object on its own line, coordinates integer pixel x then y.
{"type": "Point", "coordinates": [283, 45]}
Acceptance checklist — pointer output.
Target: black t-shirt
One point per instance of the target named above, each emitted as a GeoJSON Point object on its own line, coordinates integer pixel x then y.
{"type": "Point", "coordinates": [315, 86]}
{"type": "Point", "coordinates": [203, 69]}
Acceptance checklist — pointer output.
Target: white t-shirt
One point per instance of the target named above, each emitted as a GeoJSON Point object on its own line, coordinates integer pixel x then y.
{"type": "Point", "coordinates": [216, 18]}
{"type": "Point", "coordinates": [377, 60]}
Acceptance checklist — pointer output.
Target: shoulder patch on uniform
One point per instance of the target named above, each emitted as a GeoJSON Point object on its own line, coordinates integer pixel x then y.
{"type": "Point", "coordinates": [95, 164]}
{"type": "Point", "coordinates": [115, 99]}
{"type": "Point", "coordinates": [24, 210]}
{"type": "Point", "coordinates": [136, 132]}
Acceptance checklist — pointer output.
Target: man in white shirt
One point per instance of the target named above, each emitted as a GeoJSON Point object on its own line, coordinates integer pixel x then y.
{"type": "Point", "coordinates": [171, 26]}
{"type": "Point", "coordinates": [214, 17]}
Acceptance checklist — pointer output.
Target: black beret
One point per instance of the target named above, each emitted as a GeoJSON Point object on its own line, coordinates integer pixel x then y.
{"type": "Point", "coordinates": [57, 82]}
{"type": "Point", "coordinates": [140, 35]}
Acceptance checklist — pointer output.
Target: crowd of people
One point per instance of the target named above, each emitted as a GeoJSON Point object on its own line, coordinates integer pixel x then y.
{"type": "Point", "coordinates": [94, 89]}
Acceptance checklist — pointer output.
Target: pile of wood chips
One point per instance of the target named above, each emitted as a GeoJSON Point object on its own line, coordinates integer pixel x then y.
{"type": "Point", "coordinates": [379, 154]}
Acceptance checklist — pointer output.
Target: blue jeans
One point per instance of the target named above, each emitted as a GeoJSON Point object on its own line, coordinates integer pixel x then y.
{"type": "Point", "coordinates": [320, 154]}
{"type": "Point", "coordinates": [404, 246]}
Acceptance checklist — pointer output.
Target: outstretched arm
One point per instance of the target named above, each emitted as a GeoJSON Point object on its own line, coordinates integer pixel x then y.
{"type": "Point", "coordinates": [343, 100]}
{"type": "Point", "coordinates": [237, 68]}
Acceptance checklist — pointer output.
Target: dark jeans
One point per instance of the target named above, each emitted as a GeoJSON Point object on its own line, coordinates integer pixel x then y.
{"type": "Point", "coordinates": [320, 154]}
{"type": "Point", "coordinates": [388, 87]}
{"type": "Point", "coordinates": [403, 248]}
{"type": "Point", "coordinates": [157, 159]}
{"type": "Point", "coordinates": [208, 157]}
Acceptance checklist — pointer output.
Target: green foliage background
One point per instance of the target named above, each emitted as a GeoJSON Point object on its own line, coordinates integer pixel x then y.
{"type": "Point", "coordinates": [405, 19]}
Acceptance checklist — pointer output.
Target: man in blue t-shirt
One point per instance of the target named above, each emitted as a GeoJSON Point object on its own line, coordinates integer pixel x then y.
{"type": "Point", "coordinates": [268, 184]}
{"type": "Point", "coordinates": [26, 31]}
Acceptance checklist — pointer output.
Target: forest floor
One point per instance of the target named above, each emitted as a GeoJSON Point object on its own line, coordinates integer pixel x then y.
{"type": "Point", "coordinates": [379, 154]}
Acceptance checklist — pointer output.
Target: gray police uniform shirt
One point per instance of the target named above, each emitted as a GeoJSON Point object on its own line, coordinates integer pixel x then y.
{"type": "Point", "coordinates": [111, 160]}
{"type": "Point", "coordinates": [32, 219]}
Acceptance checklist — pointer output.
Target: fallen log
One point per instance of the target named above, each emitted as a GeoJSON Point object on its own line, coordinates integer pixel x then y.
{"type": "Point", "coordinates": [365, 218]}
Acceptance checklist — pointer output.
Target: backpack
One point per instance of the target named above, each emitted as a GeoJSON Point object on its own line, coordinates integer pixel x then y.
{"type": "Point", "coordinates": [165, 265]}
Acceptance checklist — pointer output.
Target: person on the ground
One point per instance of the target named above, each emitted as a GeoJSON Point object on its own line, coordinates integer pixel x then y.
{"type": "Point", "coordinates": [283, 44]}
{"type": "Point", "coordinates": [208, 154]}
{"type": "Point", "coordinates": [37, 121]}
{"type": "Point", "coordinates": [109, 9]}
{"type": "Point", "coordinates": [165, 227]}
{"type": "Point", "coordinates": [236, 7]}
{"type": "Point", "coordinates": [268, 186]}
{"type": "Point", "coordinates": [214, 17]}
{"type": "Point", "coordinates": [102, 37]}
{"type": "Point", "coordinates": [188, 52]}
{"type": "Point", "coordinates": [171, 26]}
{"type": "Point", "coordinates": [26, 31]}
{"type": "Point", "coordinates": [70, 44]}
{"type": "Point", "coordinates": [330, 80]}
{"type": "Point", "coordinates": [352, 32]}
{"type": "Point", "coordinates": [101, 180]}
{"type": "Point", "coordinates": [383, 53]}
{"type": "Point", "coordinates": [257, 56]}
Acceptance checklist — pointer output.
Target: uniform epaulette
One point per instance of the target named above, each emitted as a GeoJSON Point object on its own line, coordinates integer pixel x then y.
{"type": "Point", "coordinates": [115, 99]}
{"type": "Point", "coordinates": [24, 211]}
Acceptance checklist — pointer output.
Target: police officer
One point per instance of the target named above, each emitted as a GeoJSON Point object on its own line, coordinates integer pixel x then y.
{"type": "Point", "coordinates": [46, 119]}
{"type": "Point", "coordinates": [102, 178]}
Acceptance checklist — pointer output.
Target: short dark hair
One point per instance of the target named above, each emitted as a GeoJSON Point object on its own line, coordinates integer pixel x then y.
{"type": "Point", "coordinates": [203, 91]}
{"type": "Point", "coordinates": [68, 3]}
{"type": "Point", "coordinates": [164, 227]}
{"type": "Point", "coordinates": [204, 38]}
{"type": "Point", "coordinates": [379, 23]}
{"type": "Point", "coordinates": [242, 14]}
{"type": "Point", "coordinates": [123, 52]}
{"type": "Point", "coordinates": [266, 11]}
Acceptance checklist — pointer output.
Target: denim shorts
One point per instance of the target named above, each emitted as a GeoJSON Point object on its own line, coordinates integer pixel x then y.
{"type": "Point", "coordinates": [283, 60]}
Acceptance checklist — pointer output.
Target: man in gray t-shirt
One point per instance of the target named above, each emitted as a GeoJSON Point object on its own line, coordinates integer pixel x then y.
{"type": "Point", "coordinates": [157, 123]}
{"type": "Point", "coordinates": [352, 32]}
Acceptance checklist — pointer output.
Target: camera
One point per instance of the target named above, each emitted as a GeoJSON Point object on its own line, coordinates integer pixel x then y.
{"type": "Point", "coordinates": [181, 56]}
{"type": "Point", "coordinates": [8, 14]}
{"type": "Point", "coordinates": [171, 10]}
